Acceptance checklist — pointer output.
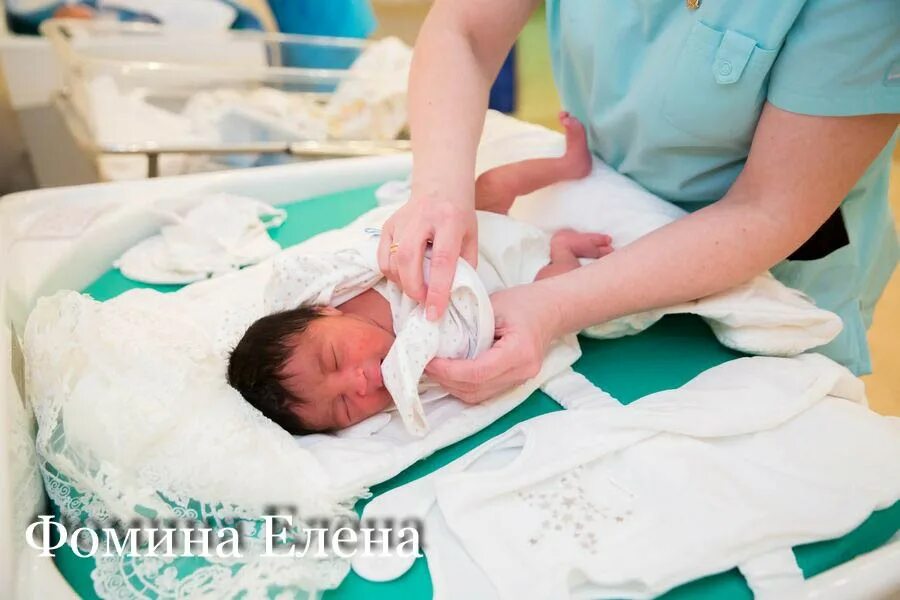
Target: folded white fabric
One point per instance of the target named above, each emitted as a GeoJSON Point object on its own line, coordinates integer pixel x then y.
{"type": "Point", "coordinates": [761, 316]}
{"type": "Point", "coordinates": [220, 233]}
{"type": "Point", "coordinates": [733, 469]}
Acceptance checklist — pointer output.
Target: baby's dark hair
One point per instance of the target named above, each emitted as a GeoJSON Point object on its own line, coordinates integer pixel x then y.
{"type": "Point", "coordinates": [256, 363]}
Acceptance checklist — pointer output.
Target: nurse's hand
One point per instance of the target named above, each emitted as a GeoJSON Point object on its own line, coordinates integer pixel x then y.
{"type": "Point", "coordinates": [450, 228]}
{"type": "Point", "coordinates": [526, 322]}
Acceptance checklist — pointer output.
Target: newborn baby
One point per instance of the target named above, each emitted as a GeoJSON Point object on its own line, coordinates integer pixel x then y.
{"type": "Point", "coordinates": [318, 368]}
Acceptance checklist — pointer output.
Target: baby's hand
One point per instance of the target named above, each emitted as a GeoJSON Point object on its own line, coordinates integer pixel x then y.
{"type": "Point", "coordinates": [580, 245]}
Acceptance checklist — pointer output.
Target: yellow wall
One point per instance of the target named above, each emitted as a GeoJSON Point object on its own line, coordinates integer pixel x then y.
{"type": "Point", "coordinates": [883, 385]}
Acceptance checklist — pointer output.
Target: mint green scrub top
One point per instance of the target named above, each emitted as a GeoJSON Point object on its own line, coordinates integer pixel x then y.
{"type": "Point", "coordinates": [671, 96]}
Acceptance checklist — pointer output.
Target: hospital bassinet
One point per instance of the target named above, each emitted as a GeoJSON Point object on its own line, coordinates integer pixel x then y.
{"type": "Point", "coordinates": [166, 68]}
{"type": "Point", "coordinates": [47, 256]}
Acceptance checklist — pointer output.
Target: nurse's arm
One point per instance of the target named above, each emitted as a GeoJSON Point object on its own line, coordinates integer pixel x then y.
{"type": "Point", "coordinates": [799, 170]}
{"type": "Point", "coordinates": [458, 53]}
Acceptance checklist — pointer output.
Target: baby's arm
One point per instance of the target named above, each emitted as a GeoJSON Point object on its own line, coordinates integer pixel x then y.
{"type": "Point", "coordinates": [497, 189]}
{"type": "Point", "coordinates": [568, 245]}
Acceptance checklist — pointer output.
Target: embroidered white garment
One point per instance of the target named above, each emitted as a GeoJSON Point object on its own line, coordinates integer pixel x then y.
{"type": "Point", "coordinates": [761, 316]}
{"type": "Point", "coordinates": [220, 233]}
{"type": "Point", "coordinates": [736, 467]}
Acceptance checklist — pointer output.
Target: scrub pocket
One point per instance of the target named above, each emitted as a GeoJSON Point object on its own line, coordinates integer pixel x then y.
{"type": "Point", "coordinates": [718, 85]}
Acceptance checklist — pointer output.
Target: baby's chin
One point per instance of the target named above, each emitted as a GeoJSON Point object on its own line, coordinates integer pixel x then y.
{"type": "Point", "coordinates": [386, 401]}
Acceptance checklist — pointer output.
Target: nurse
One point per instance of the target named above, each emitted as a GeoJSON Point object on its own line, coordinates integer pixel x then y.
{"type": "Point", "coordinates": [773, 122]}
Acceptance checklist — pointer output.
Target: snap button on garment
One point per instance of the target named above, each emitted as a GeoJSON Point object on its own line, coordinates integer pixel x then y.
{"type": "Point", "coordinates": [693, 4]}
{"type": "Point", "coordinates": [732, 57]}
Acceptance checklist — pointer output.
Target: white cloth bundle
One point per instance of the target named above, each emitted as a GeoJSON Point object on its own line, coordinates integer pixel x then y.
{"type": "Point", "coordinates": [221, 233]}
{"type": "Point", "coordinates": [736, 467]}
{"type": "Point", "coordinates": [761, 316]}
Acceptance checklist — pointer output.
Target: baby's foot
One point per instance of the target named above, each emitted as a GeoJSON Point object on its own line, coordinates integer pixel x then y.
{"type": "Point", "coordinates": [582, 245]}
{"type": "Point", "coordinates": [577, 160]}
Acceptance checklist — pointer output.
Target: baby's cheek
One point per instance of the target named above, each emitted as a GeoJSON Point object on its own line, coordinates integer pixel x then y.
{"type": "Point", "coordinates": [375, 403]}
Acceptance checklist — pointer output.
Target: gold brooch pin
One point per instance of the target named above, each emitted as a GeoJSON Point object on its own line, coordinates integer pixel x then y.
{"type": "Point", "coordinates": [692, 4]}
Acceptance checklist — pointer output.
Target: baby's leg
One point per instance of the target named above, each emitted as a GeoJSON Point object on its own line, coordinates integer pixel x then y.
{"type": "Point", "coordinates": [568, 245]}
{"type": "Point", "coordinates": [497, 189]}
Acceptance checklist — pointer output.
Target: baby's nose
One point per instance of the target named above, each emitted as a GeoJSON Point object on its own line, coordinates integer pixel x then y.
{"type": "Point", "coordinates": [363, 385]}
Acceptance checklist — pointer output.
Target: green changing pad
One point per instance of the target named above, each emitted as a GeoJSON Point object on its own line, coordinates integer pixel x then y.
{"type": "Point", "coordinates": [666, 356]}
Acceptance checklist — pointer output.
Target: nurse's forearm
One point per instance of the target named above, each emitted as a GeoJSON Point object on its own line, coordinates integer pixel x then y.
{"type": "Point", "coordinates": [799, 170]}
{"type": "Point", "coordinates": [458, 53]}
{"type": "Point", "coordinates": [701, 254]}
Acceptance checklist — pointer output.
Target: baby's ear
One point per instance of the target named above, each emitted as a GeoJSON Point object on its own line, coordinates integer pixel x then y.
{"type": "Point", "coordinates": [330, 311]}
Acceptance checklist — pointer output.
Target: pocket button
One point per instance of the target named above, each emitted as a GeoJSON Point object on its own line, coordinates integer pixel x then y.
{"type": "Point", "coordinates": [725, 68]}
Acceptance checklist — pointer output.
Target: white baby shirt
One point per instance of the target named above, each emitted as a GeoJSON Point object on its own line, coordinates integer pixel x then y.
{"type": "Point", "coordinates": [744, 462]}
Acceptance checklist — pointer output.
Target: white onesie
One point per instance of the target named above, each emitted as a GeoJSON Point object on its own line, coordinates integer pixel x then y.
{"type": "Point", "coordinates": [744, 462]}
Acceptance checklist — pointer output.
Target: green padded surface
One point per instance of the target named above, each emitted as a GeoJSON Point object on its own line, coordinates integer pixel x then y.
{"type": "Point", "coordinates": [666, 356]}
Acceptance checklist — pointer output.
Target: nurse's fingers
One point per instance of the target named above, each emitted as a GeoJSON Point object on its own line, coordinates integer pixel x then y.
{"type": "Point", "coordinates": [600, 239]}
{"type": "Point", "coordinates": [474, 393]}
{"type": "Point", "coordinates": [494, 368]}
{"type": "Point", "coordinates": [445, 252]}
{"type": "Point", "coordinates": [384, 252]}
{"type": "Point", "coordinates": [409, 259]}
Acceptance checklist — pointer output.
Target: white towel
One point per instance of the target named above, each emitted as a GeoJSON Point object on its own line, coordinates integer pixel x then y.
{"type": "Point", "coordinates": [220, 233]}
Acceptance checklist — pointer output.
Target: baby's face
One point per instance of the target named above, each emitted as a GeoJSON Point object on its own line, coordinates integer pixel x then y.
{"type": "Point", "coordinates": [336, 369]}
